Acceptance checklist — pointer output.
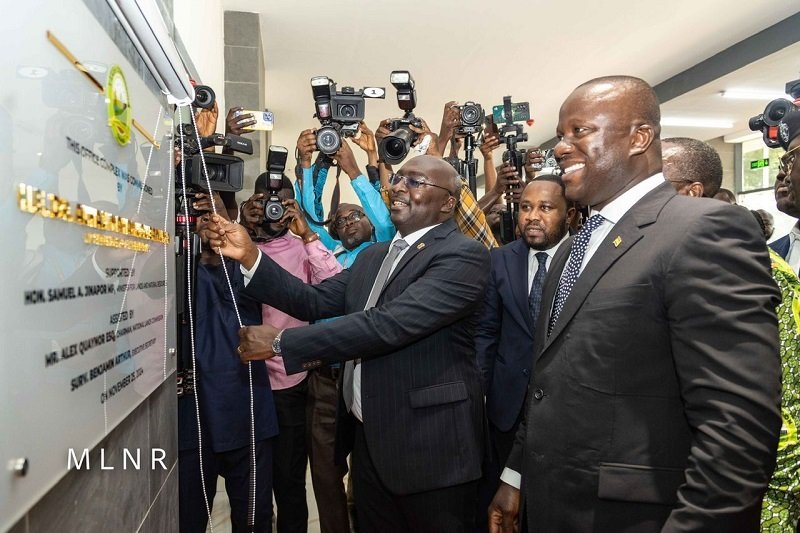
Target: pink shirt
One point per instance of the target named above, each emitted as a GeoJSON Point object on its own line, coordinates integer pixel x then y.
{"type": "Point", "coordinates": [312, 263]}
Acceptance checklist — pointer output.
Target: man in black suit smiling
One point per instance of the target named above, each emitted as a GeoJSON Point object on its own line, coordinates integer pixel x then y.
{"type": "Point", "coordinates": [411, 384]}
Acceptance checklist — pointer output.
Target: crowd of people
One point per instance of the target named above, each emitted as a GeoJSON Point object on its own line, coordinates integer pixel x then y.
{"type": "Point", "coordinates": [628, 362]}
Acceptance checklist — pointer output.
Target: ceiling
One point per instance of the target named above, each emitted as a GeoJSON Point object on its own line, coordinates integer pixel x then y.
{"type": "Point", "coordinates": [535, 51]}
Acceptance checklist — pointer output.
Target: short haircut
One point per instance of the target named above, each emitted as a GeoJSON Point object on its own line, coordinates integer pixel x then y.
{"type": "Point", "coordinates": [553, 178]}
{"type": "Point", "coordinates": [696, 161]}
{"type": "Point", "coordinates": [641, 98]}
{"type": "Point", "coordinates": [261, 183]}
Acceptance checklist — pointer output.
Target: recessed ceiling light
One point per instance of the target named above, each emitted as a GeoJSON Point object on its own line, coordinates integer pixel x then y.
{"type": "Point", "coordinates": [689, 122]}
{"type": "Point", "coordinates": [751, 94]}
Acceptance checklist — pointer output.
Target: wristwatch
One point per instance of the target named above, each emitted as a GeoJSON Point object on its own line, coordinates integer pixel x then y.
{"type": "Point", "coordinates": [276, 343]}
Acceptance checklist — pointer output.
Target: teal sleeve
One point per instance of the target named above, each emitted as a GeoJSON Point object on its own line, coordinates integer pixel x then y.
{"type": "Point", "coordinates": [374, 208]}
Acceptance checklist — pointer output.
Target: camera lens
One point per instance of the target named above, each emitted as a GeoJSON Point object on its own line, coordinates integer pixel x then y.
{"type": "Point", "coordinates": [469, 115]}
{"type": "Point", "coordinates": [328, 140]}
{"type": "Point", "coordinates": [395, 146]}
{"type": "Point", "coordinates": [204, 97]}
{"type": "Point", "coordinates": [347, 111]}
{"type": "Point", "coordinates": [776, 110]}
{"type": "Point", "coordinates": [273, 211]}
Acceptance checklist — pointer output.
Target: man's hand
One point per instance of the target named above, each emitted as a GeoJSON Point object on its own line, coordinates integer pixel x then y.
{"type": "Point", "coordinates": [255, 342]}
{"type": "Point", "coordinates": [235, 122]}
{"type": "Point", "coordinates": [509, 184]}
{"type": "Point", "coordinates": [206, 120]}
{"type": "Point", "coordinates": [504, 510]}
{"type": "Point", "coordinates": [433, 147]}
{"type": "Point", "coordinates": [490, 143]}
{"type": "Point", "coordinates": [347, 161]}
{"type": "Point", "coordinates": [532, 157]}
{"type": "Point", "coordinates": [253, 211]}
{"type": "Point", "coordinates": [365, 138]}
{"type": "Point", "coordinates": [383, 130]}
{"type": "Point", "coordinates": [203, 202]}
{"type": "Point", "coordinates": [450, 119]}
{"type": "Point", "coordinates": [297, 222]}
{"type": "Point", "coordinates": [306, 144]}
{"type": "Point", "coordinates": [232, 240]}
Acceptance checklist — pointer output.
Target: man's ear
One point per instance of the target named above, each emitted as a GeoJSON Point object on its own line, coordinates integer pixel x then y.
{"type": "Point", "coordinates": [449, 205]}
{"type": "Point", "coordinates": [696, 189]}
{"type": "Point", "coordinates": [643, 136]}
{"type": "Point", "coordinates": [571, 212]}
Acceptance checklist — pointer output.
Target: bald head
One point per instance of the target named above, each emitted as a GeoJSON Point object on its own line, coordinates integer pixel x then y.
{"type": "Point", "coordinates": [641, 101]}
{"type": "Point", "coordinates": [693, 167]}
{"type": "Point", "coordinates": [425, 192]}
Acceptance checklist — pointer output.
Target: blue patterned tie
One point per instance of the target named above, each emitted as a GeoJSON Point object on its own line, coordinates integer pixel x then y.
{"type": "Point", "coordinates": [570, 275]}
{"type": "Point", "coordinates": [535, 297]}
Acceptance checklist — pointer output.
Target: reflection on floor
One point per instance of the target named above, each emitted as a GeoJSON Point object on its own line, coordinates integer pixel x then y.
{"type": "Point", "coordinates": [220, 514]}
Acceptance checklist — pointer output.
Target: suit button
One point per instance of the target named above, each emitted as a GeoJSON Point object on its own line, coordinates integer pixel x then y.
{"type": "Point", "coordinates": [538, 394]}
{"type": "Point", "coordinates": [525, 372]}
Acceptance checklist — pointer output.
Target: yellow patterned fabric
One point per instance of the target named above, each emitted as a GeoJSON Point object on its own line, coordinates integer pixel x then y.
{"type": "Point", "coordinates": [781, 510]}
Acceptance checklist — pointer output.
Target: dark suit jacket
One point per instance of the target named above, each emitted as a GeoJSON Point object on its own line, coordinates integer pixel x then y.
{"type": "Point", "coordinates": [422, 402]}
{"type": "Point", "coordinates": [504, 335]}
{"type": "Point", "coordinates": [655, 401]}
{"type": "Point", "coordinates": [781, 246]}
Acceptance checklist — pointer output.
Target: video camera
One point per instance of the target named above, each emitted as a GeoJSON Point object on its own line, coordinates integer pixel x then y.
{"type": "Point", "coordinates": [471, 118]}
{"type": "Point", "coordinates": [767, 122]}
{"type": "Point", "coordinates": [512, 134]}
{"type": "Point", "coordinates": [339, 112]}
{"type": "Point", "coordinates": [225, 172]}
{"type": "Point", "coordinates": [394, 147]}
{"type": "Point", "coordinates": [276, 165]}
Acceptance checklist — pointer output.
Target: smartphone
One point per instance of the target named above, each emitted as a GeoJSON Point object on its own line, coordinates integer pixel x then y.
{"type": "Point", "coordinates": [520, 112]}
{"type": "Point", "coordinates": [265, 120]}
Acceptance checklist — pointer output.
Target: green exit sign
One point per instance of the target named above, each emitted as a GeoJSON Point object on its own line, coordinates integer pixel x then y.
{"type": "Point", "coordinates": [759, 163]}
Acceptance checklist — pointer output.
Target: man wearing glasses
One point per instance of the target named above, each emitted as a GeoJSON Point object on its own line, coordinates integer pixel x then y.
{"type": "Point", "coordinates": [411, 405]}
{"type": "Point", "coordinates": [787, 190]}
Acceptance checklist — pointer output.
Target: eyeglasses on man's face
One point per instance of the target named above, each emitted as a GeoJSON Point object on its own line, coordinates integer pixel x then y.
{"type": "Point", "coordinates": [354, 216]}
{"type": "Point", "coordinates": [786, 161]}
{"type": "Point", "coordinates": [415, 183]}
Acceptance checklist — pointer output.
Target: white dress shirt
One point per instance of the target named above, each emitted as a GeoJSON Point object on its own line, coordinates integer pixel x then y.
{"type": "Point", "coordinates": [533, 263]}
{"type": "Point", "coordinates": [793, 257]}
{"type": "Point", "coordinates": [612, 213]}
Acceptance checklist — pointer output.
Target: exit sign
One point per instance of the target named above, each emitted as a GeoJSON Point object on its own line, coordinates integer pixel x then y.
{"type": "Point", "coordinates": [759, 163]}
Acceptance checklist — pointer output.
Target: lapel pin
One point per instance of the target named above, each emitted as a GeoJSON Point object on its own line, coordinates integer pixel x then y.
{"type": "Point", "coordinates": [420, 246]}
{"type": "Point", "coordinates": [617, 241]}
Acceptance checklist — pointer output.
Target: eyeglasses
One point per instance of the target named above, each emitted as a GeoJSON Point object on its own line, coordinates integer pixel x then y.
{"type": "Point", "coordinates": [415, 183]}
{"type": "Point", "coordinates": [341, 222]}
{"type": "Point", "coordinates": [786, 162]}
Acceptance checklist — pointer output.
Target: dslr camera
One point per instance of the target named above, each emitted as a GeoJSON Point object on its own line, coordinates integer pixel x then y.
{"type": "Point", "coordinates": [394, 147]}
{"type": "Point", "coordinates": [276, 164]}
{"type": "Point", "coordinates": [471, 118]}
{"type": "Point", "coordinates": [339, 112]}
{"type": "Point", "coordinates": [767, 122]}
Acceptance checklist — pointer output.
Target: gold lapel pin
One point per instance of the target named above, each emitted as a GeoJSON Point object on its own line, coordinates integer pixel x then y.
{"type": "Point", "coordinates": [420, 246]}
{"type": "Point", "coordinates": [617, 241]}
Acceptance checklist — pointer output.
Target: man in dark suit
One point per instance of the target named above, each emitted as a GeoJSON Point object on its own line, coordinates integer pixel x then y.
{"type": "Point", "coordinates": [786, 193]}
{"type": "Point", "coordinates": [654, 402]}
{"type": "Point", "coordinates": [414, 393]}
{"type": "Point", "coordinates": [504, 334]}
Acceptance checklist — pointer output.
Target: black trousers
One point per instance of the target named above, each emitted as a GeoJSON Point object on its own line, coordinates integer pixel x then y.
{"type": "Point", "coordinates": [235, 467]}
{"type": "Point", "coordinates": [326, 475]}
{"type": "Point", "coordinates": [290, 459]}
{"type": "Point", "coordinates": [500, 443]}
{"type": "Point", "coordinates": [446, 510]}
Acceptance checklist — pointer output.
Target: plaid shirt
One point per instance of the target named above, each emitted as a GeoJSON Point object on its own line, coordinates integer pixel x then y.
{"type": "Point", "coordinates": [469, 217]}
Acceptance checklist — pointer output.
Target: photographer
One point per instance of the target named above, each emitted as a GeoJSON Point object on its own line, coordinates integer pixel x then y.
{"type": "Point", "coordinates": [291, 243]}
{"type": "Point", "coordinates": [224, 395]}
{"type": "Point", "coordinates": [373, 207]}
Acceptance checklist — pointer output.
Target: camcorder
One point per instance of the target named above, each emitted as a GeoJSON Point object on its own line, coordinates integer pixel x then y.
{"type": "Point", "coordinates": [339, 112]}
{"type": "Point", "coordinates": [767, 122]}
{"type": "Point", "coordinates": [276, 165]}
{"type": "Point", "coordinates": [395, 147]}
{"type": "Point", "coordinates": [204, 97]}
{"type": "Point", "coordinates": [471, 118]}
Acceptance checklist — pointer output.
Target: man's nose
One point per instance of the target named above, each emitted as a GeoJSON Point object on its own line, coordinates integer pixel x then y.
{"type": "Point", "coordinates": [562, 148]}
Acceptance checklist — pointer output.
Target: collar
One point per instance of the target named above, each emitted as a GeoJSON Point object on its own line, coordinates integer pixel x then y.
{"type": "Point", "coordinates": [550, 251]}
{"type": "Point", "coordinates": [621, 205]}
{"type": "Point", "coordinates": [414, 236]}
{"type": "Point", "coordinates": [795, 233]}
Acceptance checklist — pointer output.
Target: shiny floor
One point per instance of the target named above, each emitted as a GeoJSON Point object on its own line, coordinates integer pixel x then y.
{"type": "Point", "coordinates": [220, 514]}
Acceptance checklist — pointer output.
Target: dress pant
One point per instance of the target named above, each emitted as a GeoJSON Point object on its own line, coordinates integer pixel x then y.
{"type": "Point", "coordinates": [235, 467]}
{"type": "Point", "coordinates": [445, 510]}
{"type": "Point", "coordinates": [326, 476]}
{"type": "Point", "coordinates": [289, 459]}
{"type": "Point", "coordinates": [500, 445]}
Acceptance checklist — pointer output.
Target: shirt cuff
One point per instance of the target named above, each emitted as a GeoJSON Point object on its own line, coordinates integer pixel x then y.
{"type": "Point", "coordinates": [511, 477]}
{"type": "Point", "coordinates": [249, 273]}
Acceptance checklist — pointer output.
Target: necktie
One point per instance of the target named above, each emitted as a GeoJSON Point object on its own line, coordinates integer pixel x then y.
{"type": "Point", "coordinates": [535, 297]}
{"type": "Point", "coordinates": [380, 280]}
{"type": "Point", "coordinates": [570, 275]}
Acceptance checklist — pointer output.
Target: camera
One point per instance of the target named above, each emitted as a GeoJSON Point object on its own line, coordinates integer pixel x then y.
{"type": "Point", "coordinates": [276, 164]}
{"type": "Point", "coordinates": [339, 112]}
{"type": "Point", "coordinates": [225, 172]}
{"type": "Point", "coordinates": [204, 97]}
{"type": "Point", "coordinates": [471, 118]}
{"type": "Point", "coordinates": [767, 122]}
{"type": "Point", "coordinates": [394, 147]}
